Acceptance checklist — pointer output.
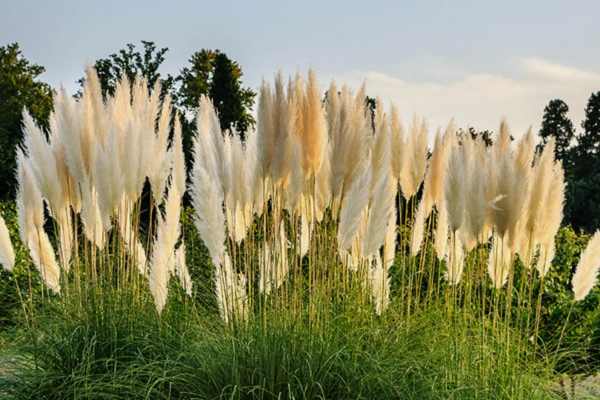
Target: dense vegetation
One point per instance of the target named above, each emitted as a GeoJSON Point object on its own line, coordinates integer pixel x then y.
{"type": "Point", "coordinates": [322, 289]}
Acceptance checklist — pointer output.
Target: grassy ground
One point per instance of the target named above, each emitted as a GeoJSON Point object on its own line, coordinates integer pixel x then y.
{"type": "Point", "coordinates": [129, 353]}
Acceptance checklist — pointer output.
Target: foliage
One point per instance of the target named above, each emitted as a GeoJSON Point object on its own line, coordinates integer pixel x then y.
{"type": "Point", "coordinates": [555, 123]}
{"type": "Point", "coordinates": [570, 329]}
{"type": "Point", "coordinates": [132, 63]}
{"type": "Point", "coordinates": [21, 289]}
{"type": "Point", "coordinates": [133, 353]}
{"type": "Point", "coordinates": [19, 88]}
{"type": "Point", "coordinates": [582, 210]}
{"type": "Point", "coordinates": [213, 74]}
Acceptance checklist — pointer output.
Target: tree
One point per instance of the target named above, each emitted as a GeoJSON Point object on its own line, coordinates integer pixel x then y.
{"type": "Point", "coordinates": [582, 209]}
{"type": "Point", "coordinates": [130, 63]}
{"type": "Point", "coordinates": [486, 135]}
{"type": "Point", "coordinates": [555, 123]}
{"type": "Point", "coordinates": [19, 89]}
{"type": "Point", "coordinates": [213, 74]}
{"type": "Point", "coordinates": [229, 98]}
{"type": "Point", "coordinates": [589, 140]}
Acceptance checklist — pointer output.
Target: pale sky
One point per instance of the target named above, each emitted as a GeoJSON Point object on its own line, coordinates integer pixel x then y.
{"type": "Point", "coordinates": [476, 60]}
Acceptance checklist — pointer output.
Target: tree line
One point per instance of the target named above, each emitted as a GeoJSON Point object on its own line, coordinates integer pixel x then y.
{"type": "Point", "coordinates": [213, 73]}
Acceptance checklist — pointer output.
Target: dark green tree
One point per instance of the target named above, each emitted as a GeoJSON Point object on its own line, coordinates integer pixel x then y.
{"type": "Point", "coordinates": [582, 209]}
{"type": "Point", "coordinates": [555, 123]}
{"type": "Point", "coordinates": [20, 89]}
{"type": "Point", "coordinates": [486, 135]}
{"type": "Point", "coordinates": [589, 140]}
{"type": "Point", "coordinates": [131, 62]}
{"type": "Point", "coordinates": [213, 74]}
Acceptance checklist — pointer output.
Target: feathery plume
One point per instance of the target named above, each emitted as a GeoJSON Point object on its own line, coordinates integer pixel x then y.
{"type": "Point", "coordinates": [380, 147]}
{"type": "Point", "coordinates": [351, 211]}
{"type": "Point", "coordinates": [586, 274]}
{"type": "Point", "coordinates": [185, 280]}
{"type": "Point", "coordinates": [441, 234]}
{"type": "Point", "coordinates": [499, 261]}
{"type": "Point", "coordinates": [380, 283]}
{"type": "Point", "coordinates": [415, 159]}
{"type": "Point", "coordinates": [389, 249]}
{"type": "Point", "coordinates": [455, 260]}
{"type": "Point", "coordinates": [546, 257]}
{"type": "Point", "coordinates": [379, 215]}
{"type": "Point", "coordinates": [208, 203]}
{"type": "Point", "coordinates": [178, 159]}
{"type": "Point", "coordinates": [7, 253]}
{"type": "Point", "coordinates": [551, 214]}
{"type": "Point", "coordinates": [30, 206]}
{"type": "Point", "coordinates": [283, 132]}
{"type": "Point", "coordinates": [454, 190]}
{"type": "Point", "coordinates": [418, 229]}
{"type": "Point", "coordinates": [44, 259]}
{"type": "Point", "coordinates": [397, 156]}
{"type": "Point", "coordinates": [313, 135]}
{"type": "Point", "coordinates": [519, 195]}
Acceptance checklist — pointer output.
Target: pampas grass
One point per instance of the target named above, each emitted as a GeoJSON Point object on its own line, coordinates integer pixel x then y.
{"type": "Point", "coordinates": [586, 273]}
{"type": "Point", "coordinates": [7, 253]}
{"type": "Point", "coordinates": [300, 221]}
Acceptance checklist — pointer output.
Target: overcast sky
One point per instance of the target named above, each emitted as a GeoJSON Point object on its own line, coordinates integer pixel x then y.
{"type": "Point", "coordinates": [476, 61]}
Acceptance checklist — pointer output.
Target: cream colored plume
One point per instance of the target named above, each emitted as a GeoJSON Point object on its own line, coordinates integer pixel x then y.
{"type": "Point", "coordinates": [130, 237]}
{"type": "Point", "coordinates": [397, 156]}
{"type": "Point", "coordinates": [44, 259]}
{"type": "Point", "coordinates": [30, 206]}
{"type": "Point", "coordinates": [380, 285]}
{"type": "Point", "coordinates": [265, 130]}
{"type": "Point", "coordinates": [415, 158]}
{"type": "Point", "coordinates": [313, 135]}
{"type": "Point", "coordinates": [542, 176]}
{"type": "Point", "coordinates": [351, 211]}
{"type": "Point", "coordinates": [454, 190]}
{"type": "Point", "coordinates": [209, 220]}
{"type": "Point", "coordinates": [30, 210]}
{"type": "Point", "coordinates": [389, 245]}
{"type": "Point", "coordinates": [231, 291]}
{"type": "Point", "coordinates": [305, 231]}
{"type": "Point", "coordinates": [441, 234]}
{"type": "Point", "coordinates": [43, 164]}
{"type": "Point", "coordinates": [418, 229]}
{"type": "Point", "coordinates": [551, 214]}
{"type": "Point", "coordinates": [434, 180]}
{"type": "Point", "coordinates": [293, 191]}
{"type": "Point", "coordinates": [477, 204]}
{"type": "Point", "coordinates": [503, 185]}
{"type": "Point", "coordinates": [356, 158]}
{"type": "Point", "coordinates": [545, 260]}
{"type": "Point", "coordinates": [185, 280]}
{"type": "Point", "coordinates": [380, 209]}
{"type": "Point", "coordinates": [7, 253]}
{"type": "Point", "coordinates": [284, 134]}
{"type": "Point", "coordinates": [323, 189]}
{"type": "Point", "coordinates": [274, 263]}
{"type": "Point", "coordinates": [380, 146]}
{"type": "Point", "coordinates": [519, 195]}
{"type": "Point", "coordinates": [161, 162]}
{"type": "Point", "coordinates": [586, 274]}
{"type": "Point", "coordinates": [159, 272]}
{"type": "Point", "coordinates": [455, 260]}
{"type": "Point", "coordinates": [499, 261]}
{"type": "Point", "coordinates": [108, 178]}
{"type": "Point", "coordinates": [178, 177]}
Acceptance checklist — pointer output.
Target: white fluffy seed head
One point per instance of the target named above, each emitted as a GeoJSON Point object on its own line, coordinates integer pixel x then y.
{"type": "Point", "coordinates": [454, 190]}
{"type": "Point", "coordinates": [586, 274]}
{"type": "Point", "coordinates": [7, 253]}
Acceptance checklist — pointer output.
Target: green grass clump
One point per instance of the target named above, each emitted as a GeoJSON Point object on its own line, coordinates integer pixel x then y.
{"type": "Point", "coordinates": [118, 347]}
